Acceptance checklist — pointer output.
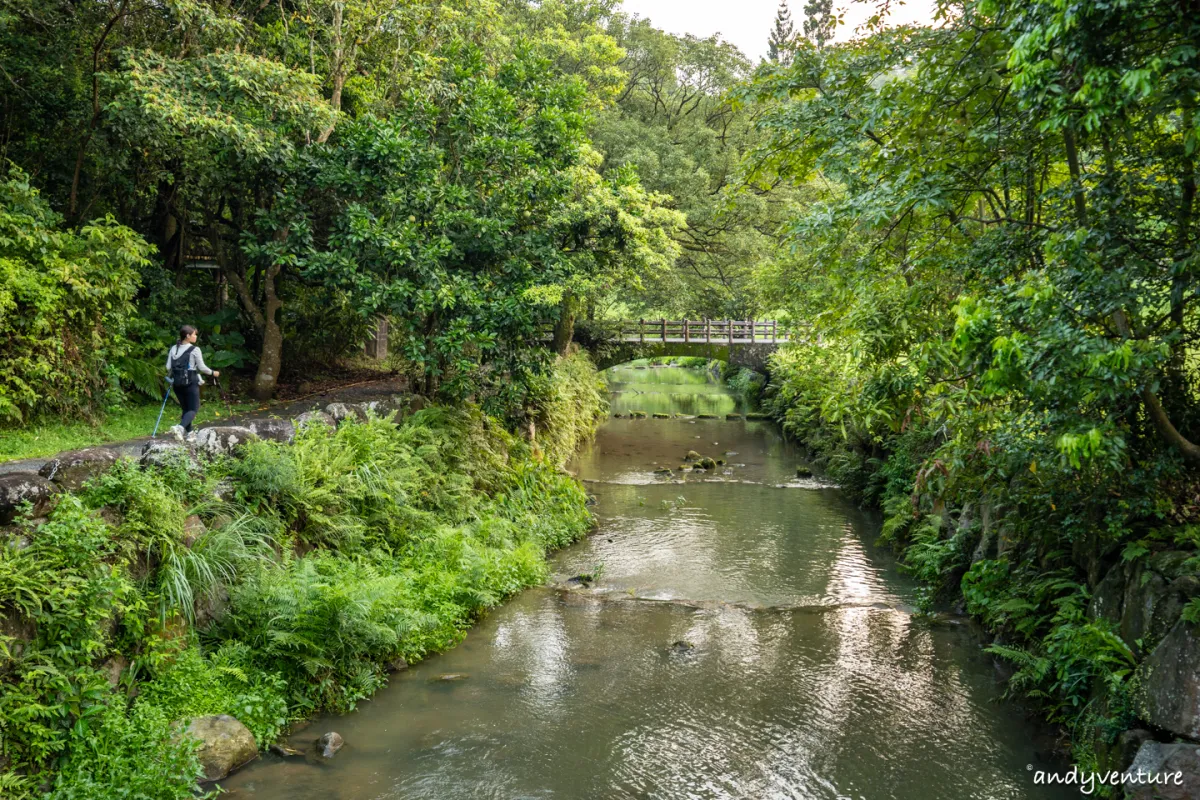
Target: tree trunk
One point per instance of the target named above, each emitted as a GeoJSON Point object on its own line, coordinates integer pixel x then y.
{"type": "Point", "coordinates": [564, 327]}
{"type": "Point", "coordinates": [271, 358]}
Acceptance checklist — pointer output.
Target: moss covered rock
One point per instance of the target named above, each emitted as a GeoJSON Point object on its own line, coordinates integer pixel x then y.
{"type": "Point", "coordinates": [225, 744]}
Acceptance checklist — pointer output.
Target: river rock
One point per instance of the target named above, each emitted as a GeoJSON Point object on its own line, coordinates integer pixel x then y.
{"type": "Point", "coordinates": [1169, 681]}
{"type": "Point", "coordinates": [803, 472]}
{"type": "Point", "coordinates": [19, 487]}
{"type": "Point", "coordinates": [319, 418]}
{"type": "Point", "coordinates": [284, 751]}
{"type": "Point", "coordinates": [275, 430]}
{"type": "Point", "coordinates": [329, 744]}
{"type": "Point", "coordinates": [1175, 769]}
{"type": "Point", "coordinates": [225, 744]}
{"type": "Point", "coordinates": [223, 439]}
{"type": "Point", "coordinates": [72, 469]}
{"type": "Point", "coordinates": [164, 452]}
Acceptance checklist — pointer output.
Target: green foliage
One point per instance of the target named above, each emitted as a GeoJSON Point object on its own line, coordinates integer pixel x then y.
{"type": "Point", "coordinates": [994, 263]}
{"type": "Point", "coordinates": [337, 555]}
{"type": "Point", "coordinates": [134, 754]}
{"type": "Point", "coordinates": [227, 681]}
{"type": "Point", "coordinates": [573, 399]}
{"type": "Point", "coordinates": [64, 303]}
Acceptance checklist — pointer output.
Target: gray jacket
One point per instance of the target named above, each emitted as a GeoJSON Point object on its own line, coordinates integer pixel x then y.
{"type": "Point", "coordinates": [195, 360]}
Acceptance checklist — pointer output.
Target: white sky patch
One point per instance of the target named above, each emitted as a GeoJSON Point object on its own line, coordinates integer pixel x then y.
{"type": "Point", "coordinates": [747, 23]}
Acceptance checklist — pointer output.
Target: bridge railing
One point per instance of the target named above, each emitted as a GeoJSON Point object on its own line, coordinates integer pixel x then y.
{"type": "Point", "coordinates": [703, 330]}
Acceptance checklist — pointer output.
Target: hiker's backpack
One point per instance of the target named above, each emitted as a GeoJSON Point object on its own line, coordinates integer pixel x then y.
{"type": "Point", "coordinates": [180, 374]}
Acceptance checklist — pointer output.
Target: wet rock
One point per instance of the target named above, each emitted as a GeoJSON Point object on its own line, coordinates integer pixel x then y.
{"type": "Point", "coordinates": [682, 647]}
{"type": "Point", "coordinates": [660, 415]}
{"type": "Point", "coordinates": [663, 471]}
{"type": "Point", "coordinates": [17, 488]}
{"type": "Point", "coordinates": [284, 751]}
{"type": "Point", "coordinates": [1169, 681]}
{"type": "Point", "coordinates": [225, 744]}
{"type": "Point", "coordinates": [275, 430]}
{"type": "Point", "coordinates": [451, 677]}
{"type": "Point", "coordinates": [397, 665]}
{"type": "Point", "coordinates": [163, 452]}
{"type": "Point", "coordinates": [72, 469]}
{"type": "Point", "coordinates": [733, 417]}
{"type": "Point", "coordinates": [692, 455]}
{"type": "Point", "coordinates": [591, 500]}
{"type": "Point", "coordinates": [708, 416]}
{"type": "Point", "coordinates": [637, 414]}
{"type": "Point", "coordinates": [223, 439]}
{"type": "Point", "coordinates": [319, 418]}
{"type": "Point", "coordinates": [1175, 769]}
{"type": "Point", "coordinates": [758, 416]}
{"type": "Point", "coordinates": [329, 744]}
{"type": "Point", "coordinates": [803, 472]}
{"type": "Point", "coordinates": [706, 463]}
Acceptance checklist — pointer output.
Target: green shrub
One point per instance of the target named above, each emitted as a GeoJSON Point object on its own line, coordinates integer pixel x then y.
{"type": "Point", "coordinates": [133, 755]}
{"type": "Point", "coordinates": [64, 303]}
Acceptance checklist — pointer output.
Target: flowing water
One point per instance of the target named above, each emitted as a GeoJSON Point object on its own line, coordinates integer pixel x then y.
{"type": "Point", "coordinates": [741, 639]}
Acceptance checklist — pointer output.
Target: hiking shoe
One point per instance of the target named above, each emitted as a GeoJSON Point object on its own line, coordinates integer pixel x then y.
{"type": "Point", "coordinates": [177, 433]}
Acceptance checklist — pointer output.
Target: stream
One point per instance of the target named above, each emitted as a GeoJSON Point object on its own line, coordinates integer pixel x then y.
{"type": "Point", "coordinates": [743, 638]}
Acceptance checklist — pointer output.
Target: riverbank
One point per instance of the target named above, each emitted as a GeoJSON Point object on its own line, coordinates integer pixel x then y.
{"type": "Point", "coordinates": [1086, 576]}
{"type": "Point", "coordinates": [267, 586]}
{"type": "Point", "coordinates": [726, 631]}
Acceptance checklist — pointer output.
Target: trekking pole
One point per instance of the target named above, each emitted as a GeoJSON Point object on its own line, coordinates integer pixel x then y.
{"type": "Point", "coordinates": [160, 411]}
{"type": "Point", "coordinates": [224, 396]}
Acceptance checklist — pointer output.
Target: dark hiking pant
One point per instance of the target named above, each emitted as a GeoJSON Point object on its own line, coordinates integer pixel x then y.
{"type": "Point", "coordinates": [189, 401]}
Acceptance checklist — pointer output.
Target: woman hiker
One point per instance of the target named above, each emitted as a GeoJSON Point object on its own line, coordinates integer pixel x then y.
{"type": "Point", "coordinates": [184, 365]}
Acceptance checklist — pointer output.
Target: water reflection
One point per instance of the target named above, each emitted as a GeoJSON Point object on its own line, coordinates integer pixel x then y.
{"type": "Point", "coordinates": [744, 641]}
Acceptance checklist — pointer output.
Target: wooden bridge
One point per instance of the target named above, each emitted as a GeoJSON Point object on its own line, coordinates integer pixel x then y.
{"type": "Point", "coordinates": [707, 331]}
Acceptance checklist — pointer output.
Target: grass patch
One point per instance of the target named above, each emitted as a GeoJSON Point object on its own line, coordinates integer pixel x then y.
{"type": "Point", "coordinates": [49, 437]}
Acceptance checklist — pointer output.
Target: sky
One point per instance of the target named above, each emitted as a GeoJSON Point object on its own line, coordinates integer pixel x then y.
{"type": "Point", "coordinates": [747, 23]}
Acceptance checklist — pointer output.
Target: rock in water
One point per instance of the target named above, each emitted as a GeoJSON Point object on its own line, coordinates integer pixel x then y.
{"type": "Point", "coordinates": [16, 488]}
{"type": "Point", "coordinates": [71, 469]}
{"type": "Point", "coordinates": [225, 744]}
{"type": "Point", "coordinates": [329, 744]}
{"type": "Point", "coordinates": [803, 472]}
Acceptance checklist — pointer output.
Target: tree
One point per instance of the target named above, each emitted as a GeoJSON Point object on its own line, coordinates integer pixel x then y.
{"type": "Point", "coordinates": [675, 124]}
{"type": "Point", "coordinates": [779, 43]}
{"type": "Point", "coordinates": [819, 22]}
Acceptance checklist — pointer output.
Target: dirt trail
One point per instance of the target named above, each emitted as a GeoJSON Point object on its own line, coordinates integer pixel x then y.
{"type": "Point", "coordinates": [354, 393]}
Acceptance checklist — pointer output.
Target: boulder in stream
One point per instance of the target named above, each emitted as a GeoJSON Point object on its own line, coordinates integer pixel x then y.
{"type": "Point", "coordinates": [329, 744]}
{"type": "Point", "coordinates": [225, 744]}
